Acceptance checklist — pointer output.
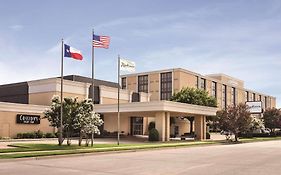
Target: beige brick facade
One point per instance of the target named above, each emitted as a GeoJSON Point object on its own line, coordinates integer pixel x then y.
{"type": "Point", "coordinates": [184, 78]}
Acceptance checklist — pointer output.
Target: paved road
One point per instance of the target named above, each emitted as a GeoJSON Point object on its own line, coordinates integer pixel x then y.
{"type": "Point", "coordinates": [262, 158]}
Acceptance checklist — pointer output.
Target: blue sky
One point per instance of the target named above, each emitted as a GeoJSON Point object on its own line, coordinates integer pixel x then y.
{"type": "Point", "coordinates": [239, 38]}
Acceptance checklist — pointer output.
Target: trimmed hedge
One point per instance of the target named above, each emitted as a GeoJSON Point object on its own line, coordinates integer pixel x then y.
{"type": "Point", "coordinates": [153, 135]}
{"type": "Point", "coordinates": [35, 134]}
{"type": "Point", "coordinates": [151, 125]}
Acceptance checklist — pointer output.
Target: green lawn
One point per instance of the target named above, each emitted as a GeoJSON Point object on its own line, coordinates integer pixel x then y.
{"type": "Point", "coordinates": [36, 150]}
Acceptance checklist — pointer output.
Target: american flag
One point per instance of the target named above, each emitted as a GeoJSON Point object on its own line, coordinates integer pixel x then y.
{"type": "Point", "coordinates": [101, 41]}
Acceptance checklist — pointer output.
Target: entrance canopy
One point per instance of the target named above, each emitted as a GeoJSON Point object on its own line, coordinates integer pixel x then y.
{"type": "Point", "coordinates": [162, 111]}
{"type": "Point", "coordinates": [175, 108]}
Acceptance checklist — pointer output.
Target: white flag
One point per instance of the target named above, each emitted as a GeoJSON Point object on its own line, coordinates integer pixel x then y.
{"type": "Point", "coordinates": [126, 65]}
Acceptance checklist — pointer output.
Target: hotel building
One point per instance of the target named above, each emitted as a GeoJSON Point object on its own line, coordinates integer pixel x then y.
{"type": "Point", "coordinates": [143, 97]}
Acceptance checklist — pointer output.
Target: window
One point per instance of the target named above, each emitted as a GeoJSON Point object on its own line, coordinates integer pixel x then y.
{"type": "Point", "coordinates": [197, 82]}
{"type": "Point", "coordinates": [265, 102]}
{"type": "Point", "coordinates": [166, 85]}
{"type": "Point", "coordinates": [203, 83]}
{"type": "Point", "coordinates": [143, 83]}
{"type": "Point", "coordinates": [214, 89]}
{"type": "Point", "coordinates": [233, 96]}
{"type": "Point", "coordinates": [124, 83]}
{"type": "Point", "coordinates": [224, 96]}
{"type": "Point", "coordinates": [254, 97]}
{"type": "Point", "coordinates": [259, 97]}
{"type": "Point", "coordinates": [246, 95]}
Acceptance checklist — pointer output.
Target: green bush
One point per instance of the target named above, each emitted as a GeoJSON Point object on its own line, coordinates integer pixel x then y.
{"type": "Point", "coordinates": [153, 135]}
{"type": "Point", "coordinates": [31, 135]}
{"type": "Point", "coordinates": [50, 135]}
{"type": "Point", "coordinates": [19, 135]}
{"type": "Point", "coordinates": [151, 125]}
{"type": "Point", "coordinates": [39, 134]}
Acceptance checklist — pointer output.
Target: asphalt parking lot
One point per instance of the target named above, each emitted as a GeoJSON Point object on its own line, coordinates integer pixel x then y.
{"type": "Point", "coordinates": [260, 158]}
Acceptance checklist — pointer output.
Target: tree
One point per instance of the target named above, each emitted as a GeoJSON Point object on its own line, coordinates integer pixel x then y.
{"type": "Point", "coordinates": [76, 116]}
{"type": "Point", "coordinates": [194, 96]}
{"type": "Point", "coordinates": [272, 118]}
{"type": "Point", "coordinates": [87, 121]}
{"type": "Point", "coordinates": [235, 119]}
{"type": "Point", "coordinates": [53, 116]}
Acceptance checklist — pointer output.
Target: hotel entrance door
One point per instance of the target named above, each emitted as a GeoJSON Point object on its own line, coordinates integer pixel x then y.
{"type": "Point", "coordinates": [136, 125]}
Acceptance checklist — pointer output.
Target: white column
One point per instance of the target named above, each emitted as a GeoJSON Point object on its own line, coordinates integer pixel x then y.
{"type": "Point", "coordinates": [160, 125]}
{"type": "Point", "coordinates": [167, 138]}
{"type": "Point", "coordinates": [200, 127]}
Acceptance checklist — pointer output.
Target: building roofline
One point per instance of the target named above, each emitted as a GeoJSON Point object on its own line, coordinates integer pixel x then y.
{"type": "Point", "coordinates": [200, 75]}
{"type": "Point", "coordinates": [225, 75]}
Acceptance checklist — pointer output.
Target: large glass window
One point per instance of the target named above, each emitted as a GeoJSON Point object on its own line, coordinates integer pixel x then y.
{"type": "Point", "coordinates": [124, 83]}
{"type": "Point", "coordinates": [224, 96]}
{"type": "Point", "coordinates": [166, 85]}
{"type": "Point", "coordinates": [203, 83]}
{"type": "Point", "coordinates": [233, 96]}
{"type": "Point", "coordinates": [246, 95]}
{"type": "Point", "coordinates": [143, 83]}
{"type": "Point", "coordinates": [214, 89]}
{"type": "Point", "coordinates": [197, 82]}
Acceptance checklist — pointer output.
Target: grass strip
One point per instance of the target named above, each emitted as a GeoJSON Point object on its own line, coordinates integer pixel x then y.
{"type": "Point", "coordinates": [99, 148]}
{"type": "Point", "coordinates": [37, 150]}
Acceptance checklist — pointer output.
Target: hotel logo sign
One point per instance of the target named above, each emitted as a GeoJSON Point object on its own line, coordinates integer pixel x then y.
{"type": "Point", "coordinates": [28, 119]}
{"type": "Point", "coordinates": [255, 107]}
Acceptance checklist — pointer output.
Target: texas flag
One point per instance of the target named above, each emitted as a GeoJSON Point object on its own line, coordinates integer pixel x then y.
{"type": "Point", "coordinates": [72, 52]}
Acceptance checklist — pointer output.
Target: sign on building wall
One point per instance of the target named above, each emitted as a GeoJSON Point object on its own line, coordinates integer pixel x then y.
{"type": "Point", "coordinates": [28, 119]}
{"type": "Point", "coordinates": [254, 106]}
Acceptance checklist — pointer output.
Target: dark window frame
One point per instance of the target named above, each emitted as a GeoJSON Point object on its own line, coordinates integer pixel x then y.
{"type": "Point", "coordinates": [214, 89]}
{"type": "Point", "coordinates": [204, 83]}
{"type": "Point", "coordinates": [166, 85]}
{"type": "Point", "coordinates": [124, 83]}
{"type": "Point", "coordinates": [233, 95]}
{"type": "Point", "coordinates": [224, 96]}
{"type": "Point", "coordinates": [143, 83]}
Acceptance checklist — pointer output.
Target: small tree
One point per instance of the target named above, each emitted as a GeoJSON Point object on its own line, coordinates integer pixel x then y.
{"type": "Point", "coordinates": [91, 128]}
{"type": "Point", "coordinates": [235, 119]}
{"type": "Point", "coordinates": [76, 115]}
{"type": "Point", "coordinates": [86, 120]}
{"type": "Point", "coordinates": [194, 96]}
{"type": "Point", "coordinates": [272, 118]}
{"type": "Point", "coordinates": [53, 116]}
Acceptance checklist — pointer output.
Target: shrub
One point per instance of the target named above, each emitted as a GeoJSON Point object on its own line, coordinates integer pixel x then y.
{"type": "Point", "coordinates": [19, 135]}
{"type": "Point", "coordinates": [39, 134]}
{"type": "Point", "coordinates": [208, 136]}
{"type": "Point", "coordinates": [50, 135]}
{"type": "Point", "coordinates": [151, 125]}
{"type": "Point", "coordinates": [153, 135]}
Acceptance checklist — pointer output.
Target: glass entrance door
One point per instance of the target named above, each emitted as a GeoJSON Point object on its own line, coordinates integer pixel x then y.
{"type": "Point", "coordinates": [137, 125]}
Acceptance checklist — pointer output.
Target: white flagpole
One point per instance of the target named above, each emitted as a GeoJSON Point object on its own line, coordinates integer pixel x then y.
{"type": "Point", "coordinates": [118, 105]}
{"type": "Point", "coordinates": [93, 78]}
{"type": "Point", "coordinates": [61, 95]}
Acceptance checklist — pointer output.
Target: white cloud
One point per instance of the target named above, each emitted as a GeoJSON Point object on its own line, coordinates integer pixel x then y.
{"type": "Point", "coordinates": [16, 27]}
